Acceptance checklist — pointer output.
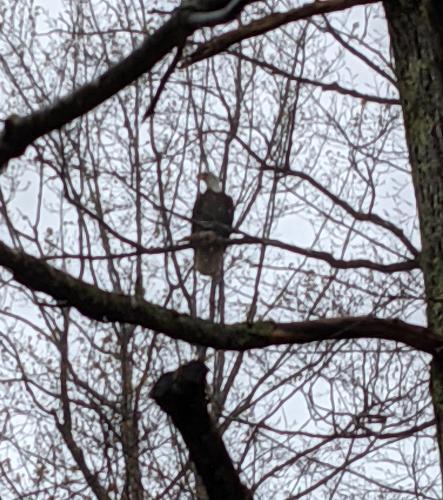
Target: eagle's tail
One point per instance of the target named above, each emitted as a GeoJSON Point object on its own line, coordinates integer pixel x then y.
{"type": "Point", "coordinates": [208, 259]}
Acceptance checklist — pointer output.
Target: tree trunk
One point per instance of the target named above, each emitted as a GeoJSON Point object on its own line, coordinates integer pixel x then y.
{"type": "Point", "coordinates": [133, 489]}
{"type": "Point", "coordinates": [416, 29]}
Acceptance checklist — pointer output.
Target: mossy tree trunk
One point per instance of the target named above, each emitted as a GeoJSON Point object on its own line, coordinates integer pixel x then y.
{"type": "Point", "coordinates": [416, 30]}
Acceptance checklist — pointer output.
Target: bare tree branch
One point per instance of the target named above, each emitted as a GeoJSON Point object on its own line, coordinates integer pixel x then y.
{"type": "Point", "coordinates": [326, 87]}
{"type": "Point", "coordinates": [360, 216]}
{"type": "Point", "coordinates": [271, 22]}
{"type": "Point", "coordinates": [182, 395]}
{"type": "Point", "coordinates": [151, 109]}
{"type": "Point", "coordinates": [406, 265]}
{"type": "Point", "coordinates": [105, 306]}
{"type": "Point", "coordinates": [246, 239]}
{"type": "Point", "coordinates": [20, 132]}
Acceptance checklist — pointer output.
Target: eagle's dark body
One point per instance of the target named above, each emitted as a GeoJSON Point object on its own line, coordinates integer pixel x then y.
{"type": "Point", "coordinates": [212, 217]}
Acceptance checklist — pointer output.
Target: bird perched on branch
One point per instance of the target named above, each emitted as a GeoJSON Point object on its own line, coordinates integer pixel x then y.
{"type": "Point", "coordinates": [211, 220]}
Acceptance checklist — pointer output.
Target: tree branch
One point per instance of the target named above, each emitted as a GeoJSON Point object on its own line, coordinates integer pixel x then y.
{"type": "Point", "coordinates": [246, 239]}
{"type": "Point", "coordinates": [268, 23]}
{"type": "Point", "coordinates": [103, 306]}
{"type": "Point", "coordinates": [360, 216]}
{"type": "Point", "coordinates": [151, 109]}
{"type": "Point", "coordinates": [326, 87]}
{"type": "Point", "coordinates": [181, 394]}
{"type": "Point", "coordinates": [406, 265]}
{"type": "Point", "coordinates": [20, 132]}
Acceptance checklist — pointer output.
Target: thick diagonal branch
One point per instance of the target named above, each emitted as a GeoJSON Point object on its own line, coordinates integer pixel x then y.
{"type": "Point", "coordinates": [20, 132]}
{"type": "Point", "coordinates": [269, 23]}
{"type": "Point", "coordinates": [104, 306]}
{"type": "Point", "coordinates": [181, 394]}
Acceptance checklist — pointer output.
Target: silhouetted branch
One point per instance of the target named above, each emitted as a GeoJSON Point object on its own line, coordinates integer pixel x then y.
{"type": "Point", "coordinates": [20, 132]}
{"type": "Point", "coordinates": [360, 216]}
{"type": "Point", "coordinates": [181, 394]}
{"type": "Point", "coordinates": [105, 306]}
{"type": "Point", "coordinates": [406, 265]}
{"type": "Point", "coordinates": [326, 87]}
{"type": "Point", "coordinates": [151, 109]}
{"type": "Point", "coordinates": [268, 23]}
{"type": "Point", "coordinates": [246, 239]}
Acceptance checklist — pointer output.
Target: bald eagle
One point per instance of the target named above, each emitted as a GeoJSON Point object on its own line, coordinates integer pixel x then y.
{"type": "Point", "coordinates": [211, 219]}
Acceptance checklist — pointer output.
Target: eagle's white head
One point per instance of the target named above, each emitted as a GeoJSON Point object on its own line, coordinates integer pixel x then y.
{"type": "Point", "coordinates": [212, 181]}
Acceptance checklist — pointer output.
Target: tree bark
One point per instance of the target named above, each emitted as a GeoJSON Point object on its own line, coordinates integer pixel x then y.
{"type": "Point", "coordinates": [416, 29]}
{"type": "Point", "coordinates": [181, 394]}
{"type": "Point", "coordinates": [129, 427]}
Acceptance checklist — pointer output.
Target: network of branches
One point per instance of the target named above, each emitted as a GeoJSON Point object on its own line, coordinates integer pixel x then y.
{"type": "Point", "coordinates": [303, 125]}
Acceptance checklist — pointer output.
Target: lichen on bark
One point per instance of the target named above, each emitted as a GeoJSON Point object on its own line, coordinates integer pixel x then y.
{"type": "Point", "coordinates": [416, 37]}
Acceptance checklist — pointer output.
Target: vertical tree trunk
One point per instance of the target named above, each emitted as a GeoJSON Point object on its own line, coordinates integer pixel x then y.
{"type": "Point", "coordinates": [416, 30]}
{"type": "Point", "coordinates": [133, 489]}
